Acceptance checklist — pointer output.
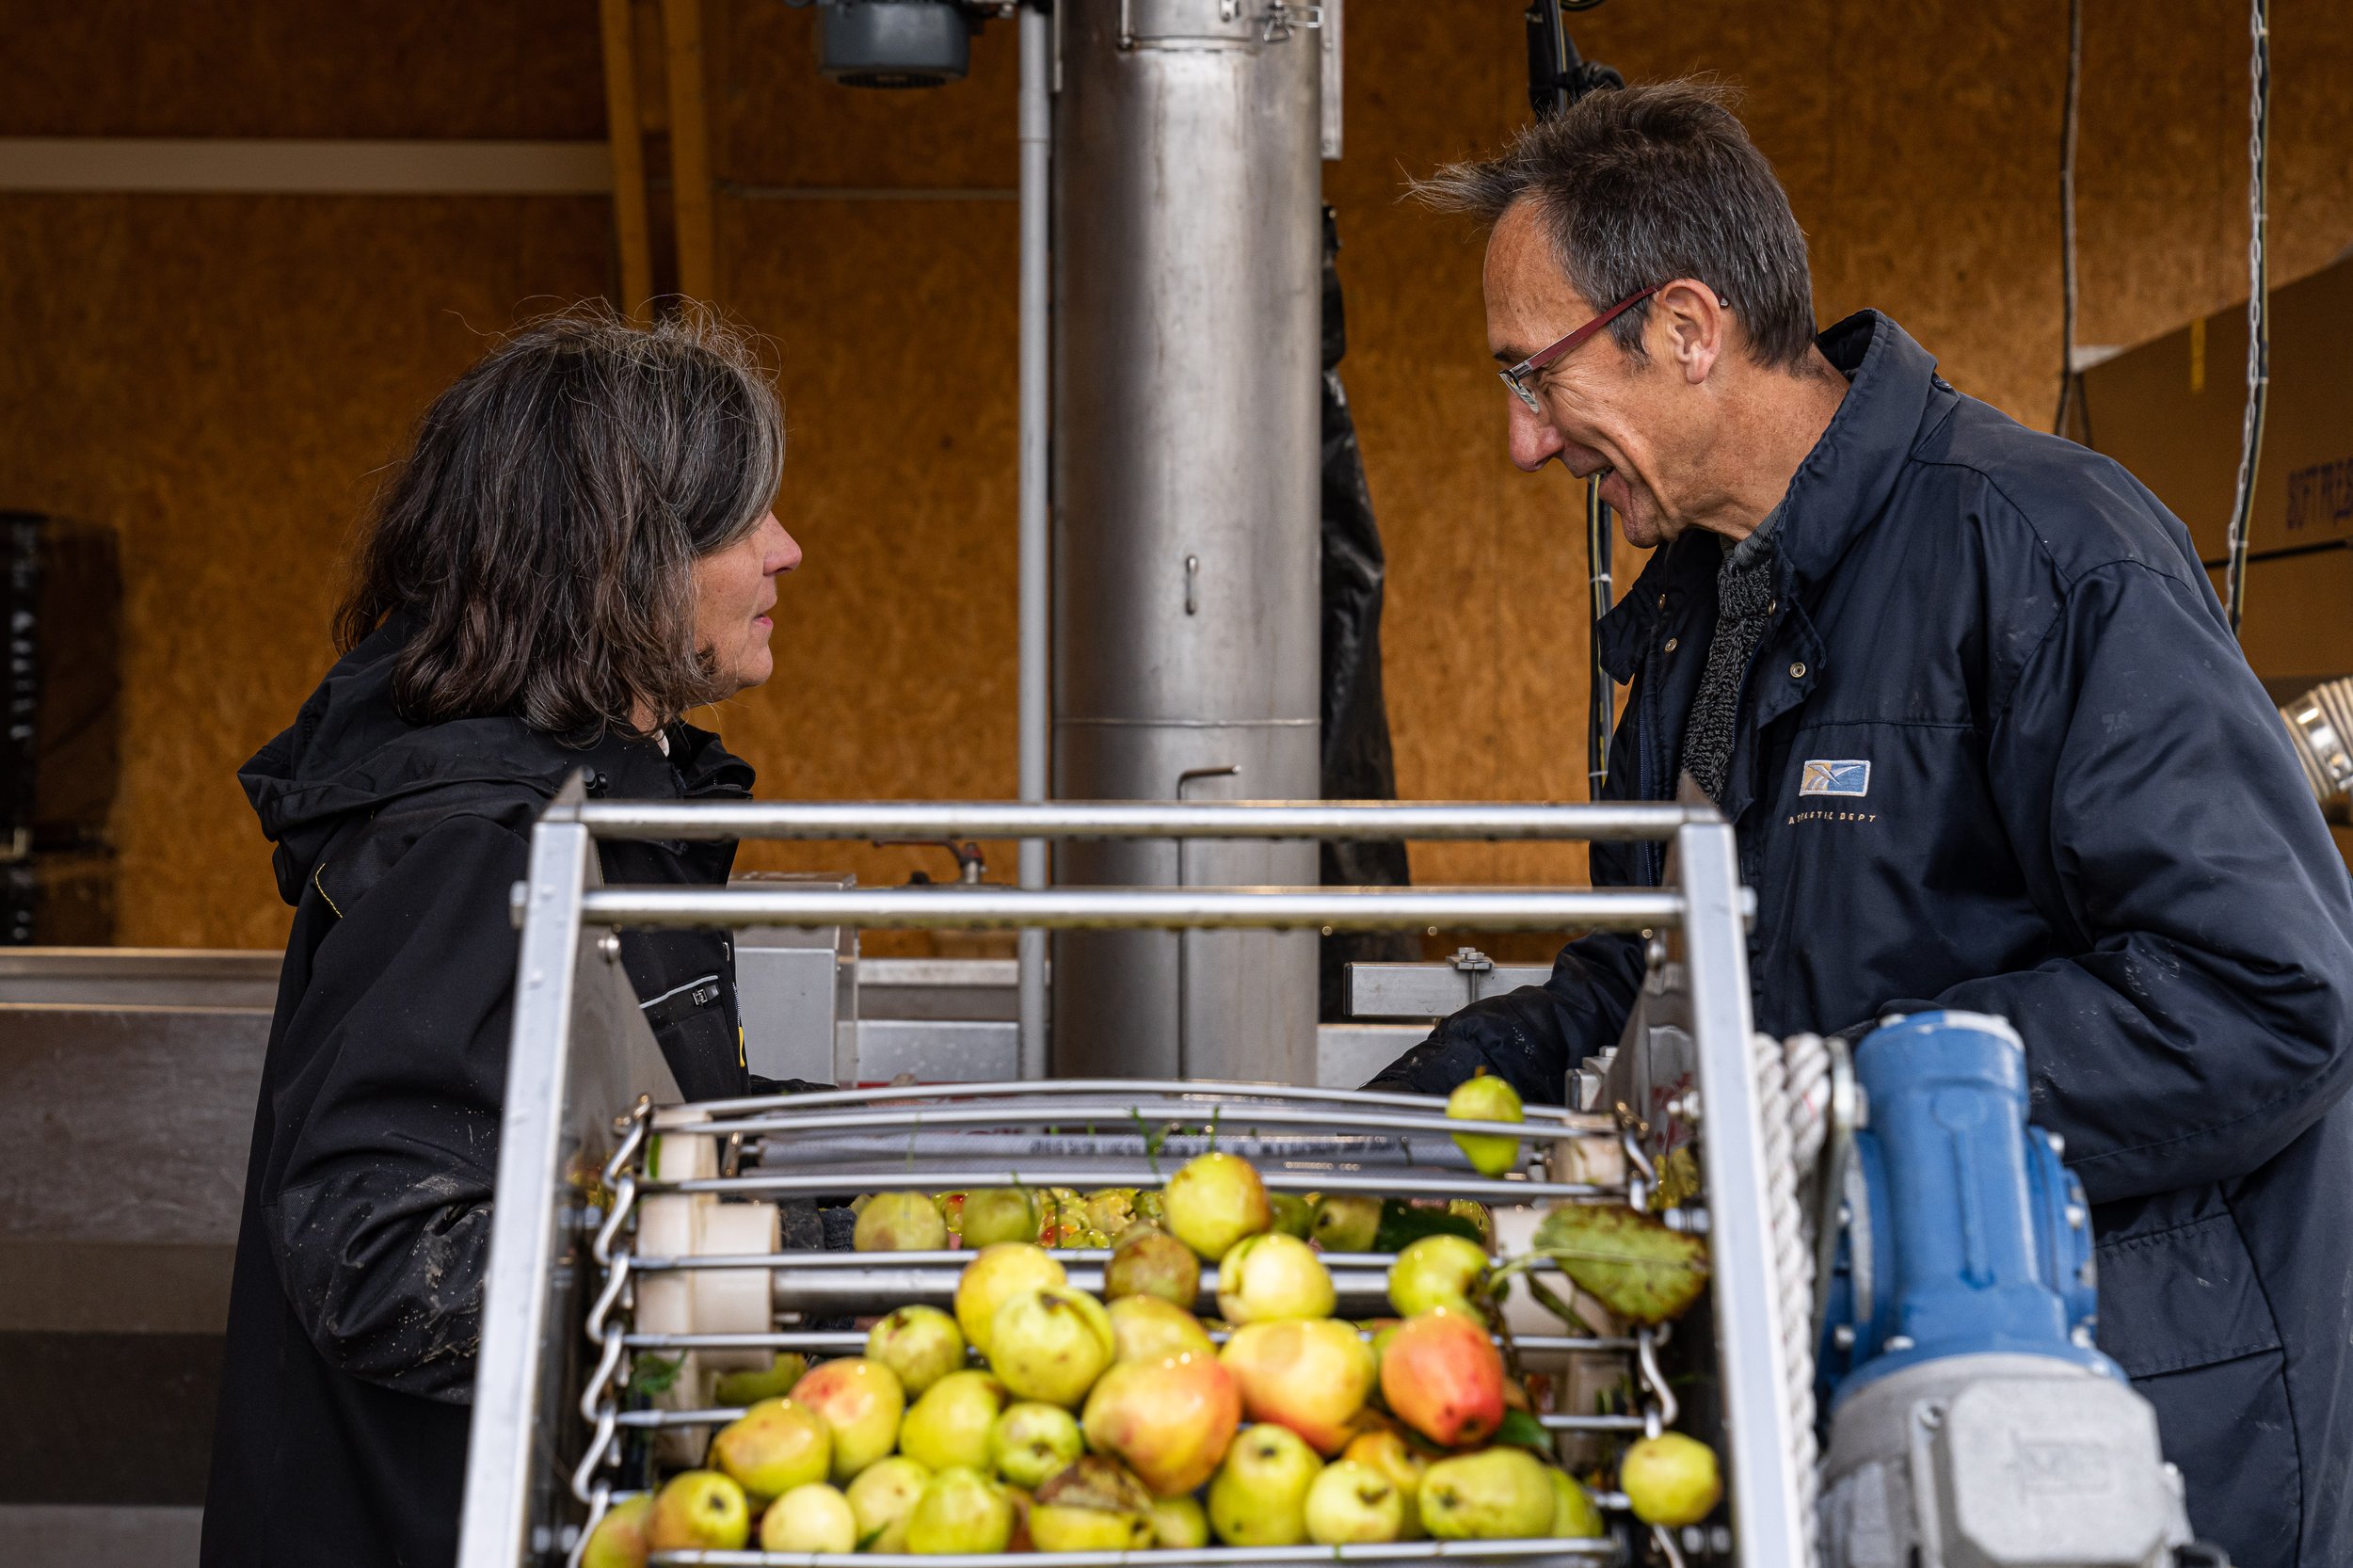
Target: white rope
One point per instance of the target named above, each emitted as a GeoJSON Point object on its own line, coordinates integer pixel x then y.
{"type": "Point", "coordinates": [1793, 1097]}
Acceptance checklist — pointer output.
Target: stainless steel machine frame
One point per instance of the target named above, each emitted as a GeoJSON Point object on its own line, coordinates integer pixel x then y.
{"type": "Point", "coordinates": [582, 1059]}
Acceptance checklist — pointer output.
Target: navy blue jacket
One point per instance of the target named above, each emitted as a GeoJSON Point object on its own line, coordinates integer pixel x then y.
{"type": "Point", "coordinates": [2000, 751]}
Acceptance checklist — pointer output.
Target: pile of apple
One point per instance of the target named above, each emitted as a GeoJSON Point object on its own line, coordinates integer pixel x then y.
{"type": "Point", "coordinates": [1118, 1424]}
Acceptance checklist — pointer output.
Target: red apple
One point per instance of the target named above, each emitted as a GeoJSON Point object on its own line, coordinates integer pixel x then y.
{"type": "Point", "coordinates": [1442, 1376]}
{"type": "Point", "coordinates": [1169, 1420]}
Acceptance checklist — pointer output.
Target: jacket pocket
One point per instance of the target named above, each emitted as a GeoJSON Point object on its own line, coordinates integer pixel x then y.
{"type": "Point", "coordinates": [2181, 1296]}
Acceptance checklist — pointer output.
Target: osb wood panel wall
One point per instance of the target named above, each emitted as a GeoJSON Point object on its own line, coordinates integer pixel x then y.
{"type": "Point", "coordinates": [219, 376]}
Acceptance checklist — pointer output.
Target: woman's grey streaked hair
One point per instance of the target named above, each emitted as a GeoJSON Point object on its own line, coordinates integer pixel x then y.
{"type": "Point", "coordinates": [541, 535]}
{"type": "Point", "coordinates": [1640, 185]}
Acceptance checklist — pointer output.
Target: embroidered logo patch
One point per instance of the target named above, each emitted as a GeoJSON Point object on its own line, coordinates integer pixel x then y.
{"type": "Point", "coordinates": [1836, 778]}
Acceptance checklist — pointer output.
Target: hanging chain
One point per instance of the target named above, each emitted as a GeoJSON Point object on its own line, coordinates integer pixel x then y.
{"type": "Point", "coordinates": [599, 1402]}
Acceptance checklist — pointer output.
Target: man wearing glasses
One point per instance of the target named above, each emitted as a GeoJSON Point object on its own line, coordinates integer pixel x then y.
{"type": "Point", "coordinates": [1969, 701]}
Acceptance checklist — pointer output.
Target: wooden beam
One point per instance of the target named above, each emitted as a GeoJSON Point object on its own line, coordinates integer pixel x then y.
{"type": "Point", "coordinates": [289, 166]}
{"type": "Point", "coordinates": [690, 150]}
{"type": "Point", "coordinates": [629, 159]}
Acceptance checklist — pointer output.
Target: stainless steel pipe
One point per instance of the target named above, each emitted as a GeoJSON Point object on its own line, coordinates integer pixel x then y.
{"type": "Point", "coordinates": [1306, 910]}
{"type": "Point", "coordinates": [1605, 821]}
{"type": "Point", "coordinates": [1187, 446]}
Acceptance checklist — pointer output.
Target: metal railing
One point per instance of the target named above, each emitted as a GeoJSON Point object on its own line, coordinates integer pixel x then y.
{"type": "Point", "coordinates": [581, 1055]}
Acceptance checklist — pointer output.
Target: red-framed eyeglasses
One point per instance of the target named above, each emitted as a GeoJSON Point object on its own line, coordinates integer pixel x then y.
{"type": "Point", "coordinates": [1517, 377]}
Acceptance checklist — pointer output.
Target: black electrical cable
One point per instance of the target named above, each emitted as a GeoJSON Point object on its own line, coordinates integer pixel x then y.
{"type": "Point", "coordinates": [1599, 550]}
{"type": "Point", "coordinates": [2258, 307]}
{"type": "Point", "coordinates": [2070, 381]}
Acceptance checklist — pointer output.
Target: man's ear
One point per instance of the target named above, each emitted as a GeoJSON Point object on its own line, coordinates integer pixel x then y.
{"type": "Point", "coordinates": [1693, 324]}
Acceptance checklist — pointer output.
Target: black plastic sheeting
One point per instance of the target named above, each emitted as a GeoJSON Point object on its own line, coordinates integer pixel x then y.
{"type": "Point", "coordinates": [1357, 762]}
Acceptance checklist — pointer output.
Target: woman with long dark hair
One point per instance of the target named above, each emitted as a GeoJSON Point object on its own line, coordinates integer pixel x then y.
{"type": "Point", "coordinates": [578, 550]}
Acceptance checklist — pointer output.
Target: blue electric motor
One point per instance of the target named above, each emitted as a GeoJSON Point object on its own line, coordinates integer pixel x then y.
{"type": "Point", "coordinates": [1973, 1423]}
{"type": "Point", "coordinates": [1961, 1231]}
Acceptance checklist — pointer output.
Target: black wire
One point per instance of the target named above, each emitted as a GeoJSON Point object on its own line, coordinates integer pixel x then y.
{"type": "Point", "coordinates": [2258, 307]}
{"type": "Point", "coordinates": [1602, 704]}
{"type": "Point", "coordinates": [2071, 383]}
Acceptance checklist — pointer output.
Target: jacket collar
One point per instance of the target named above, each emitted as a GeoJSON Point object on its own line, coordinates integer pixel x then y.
{"type": "Point", "coordinates": [1843, 483]}
{"type": "Point", "coordinates": [1837, 492]}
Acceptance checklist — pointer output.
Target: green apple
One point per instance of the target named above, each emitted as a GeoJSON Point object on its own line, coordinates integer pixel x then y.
{"type": "Point", "coordinates": [1147, 1261]}
{"type": "Point", "coordinates": [1271, 1279]}
{"type": "Point", "coordinates": [993, 1214]}
{"type": "Point", "coordinates": [1346, 1222]}
{"type": "Point", "coordinates": [1051, 1345]}
{"type": "Point", "coordinates": [1575, 1515]}
{"type": "Point", "coordinates": [1145, 1328]}
{"type": "Point", "coordinates": [1671, 1480]}
{"type": "Point", "coordinates": [1002, 1272]}
{"type": "Point", "coordinates": [1389, 1453]}
{"type": "Point", "coordinates": [922, 1344]}
{"type": "Point", "coordinates": [900, 1222]}
{"type": "Point", "coordinates": [741, 1390]}
{"type": "Point", "coordinates": [861, 1402]}
{"type": "Point", "coordinates": [773, 1447]}
{"type": "Point", "coordinates": [700, 1510]}
{"type": "Point", "coordinates": [811, 1518]}
{"type": "Point", "coordinates": [1032, 1441]}
{"type": "Point", "coordinates": [1259, 1494]}
{"type": "Point", "coordinates": [1484, 1097]}
{"type": "Point", "coordinates": [1495, 1494]}
{"type": "Point", "coordinates": [1437, 1271]}
{"type": "Point", "coordinates": [1215, 1201]}
{"type": "Point", "coordinates": [1179, 1522]}
{"type": "Point", "coordinates": [960, 1512]}
{"type": "Point", "coordinates": [619, 1538]}
{"type": "Point", "coordinates": [882, 1498]}
{"type": "Point", "coordinates": [949, 1427]}
{"type": "Point", "coordinates": [1293, 1214]}
{"type": "Point", "coordinates": [1350, 1502]}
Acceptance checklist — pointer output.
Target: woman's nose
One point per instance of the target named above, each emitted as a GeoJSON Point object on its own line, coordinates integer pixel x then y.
{"type": "Point", "coordinates": [784, 552]}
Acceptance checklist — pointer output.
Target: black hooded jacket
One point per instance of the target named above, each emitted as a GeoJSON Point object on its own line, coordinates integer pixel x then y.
{"type": "Point", "coordinates": [2000, 751]}
{"type": "Point", "coordinates": [356, 1305]}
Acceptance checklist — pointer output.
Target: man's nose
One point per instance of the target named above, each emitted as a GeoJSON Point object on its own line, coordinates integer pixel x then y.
{"type": "Point", "coordinates": [1534, 442]}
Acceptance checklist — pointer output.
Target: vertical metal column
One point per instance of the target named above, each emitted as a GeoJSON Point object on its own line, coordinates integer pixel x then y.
{"type": "Point", "coordinates": [508, 1459]}
{"type": "Point", "coordinates": [1757, 1434]}
{"type": "Point", "coordinates": [1036, 129]}
{"type": "Point", "coordinates": [1187, 616]}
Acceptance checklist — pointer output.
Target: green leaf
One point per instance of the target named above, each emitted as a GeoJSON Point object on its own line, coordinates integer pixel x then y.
{"type": "Point", "coordinates": [655, 1374]}
{"type": "Point", "coordinates": [1628, 1261]}
{"type": "Point", "coordinates": [1523, 1431]}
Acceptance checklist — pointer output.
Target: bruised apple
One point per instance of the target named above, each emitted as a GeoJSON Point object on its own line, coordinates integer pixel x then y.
{"type": "Point", "coordinates": [1051, 1345]}
{"type": "Point", "coordinates": [1032, 1441]}
{"type": "Point", "coordinates": [1170, 1420]}
{"type": "Point", "coordinates": [1312, 1377]}
{"type": "Point", "coordinates": [900, 1222]}
{"type": "Point", "coordinates": [1001, 1272]}
{"type": "Point", "coordinates": [1151, 1262]}
{"type": "Point", "coordinates": [1350, 1502]}
{"type": "Point", "coordinates": [1092, 1505]}
{"type": "Point", "coordinates": [922, 1344]}
{"type": "Point", "coordinates": [1390, 1454]}
{"type": "Point", "coordinates": [1442, 1376]}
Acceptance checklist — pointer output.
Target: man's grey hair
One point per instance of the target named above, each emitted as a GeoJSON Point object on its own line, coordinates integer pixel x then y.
{"type": "Point", "coordinates": [1641, 185]}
